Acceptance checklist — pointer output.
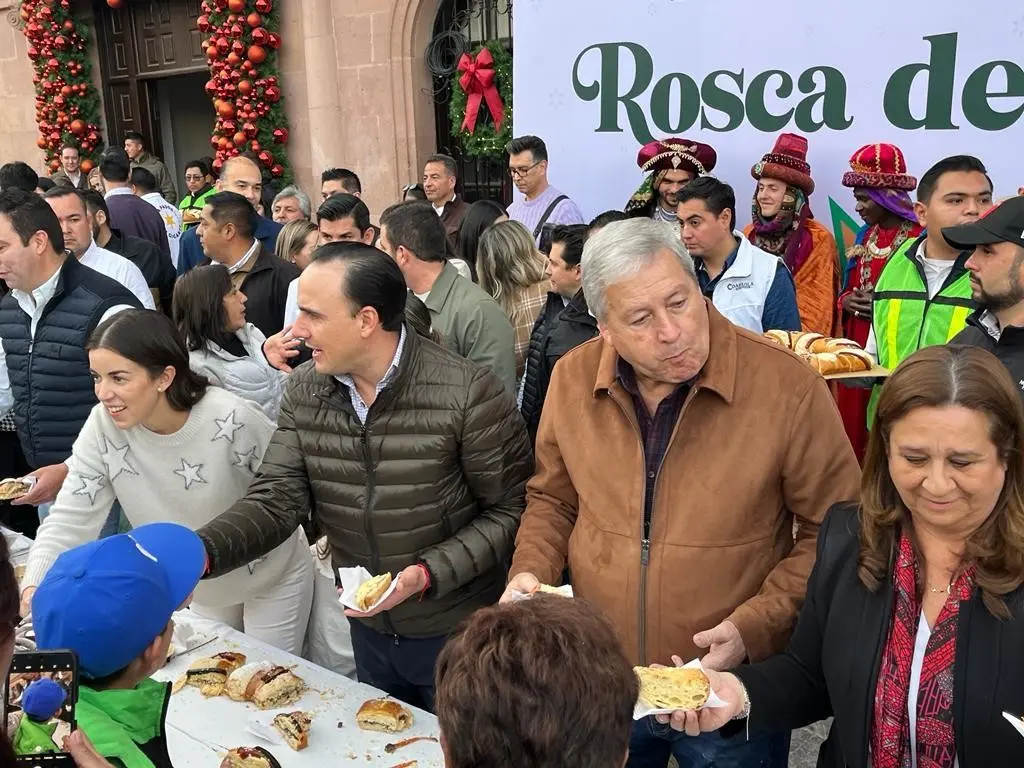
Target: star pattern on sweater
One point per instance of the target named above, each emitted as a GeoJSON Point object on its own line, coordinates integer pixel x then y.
{"type": "Point", "coordinates": [116, 458]}
{"type": "Point", "coordinates": [91, 485]}
{"type": "Point", "coordinates": [190, 473]}
{"type": "Point", "coordinates": [247, 459]}
{"type": "Point", "coordinates": [226, 428]}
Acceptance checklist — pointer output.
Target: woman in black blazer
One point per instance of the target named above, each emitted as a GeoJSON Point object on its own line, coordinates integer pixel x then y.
{"type": "Point", "coordinates": [912, 635]}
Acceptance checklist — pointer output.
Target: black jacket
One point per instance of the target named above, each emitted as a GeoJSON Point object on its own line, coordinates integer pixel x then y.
{"type": "Point", "coordinates": [533, 388]}
{"type": "Point", "coordinates": [266, 291]}
{"type": "Point", "coordinates": [831, 665]}
{"type": "Point", "coordinates": [573, 326]}
{"type": "Point", "coordinates": [155, 265]}
{"type": "Point", "coordinates": [436, 475]}
{"type": "Point", "coordinates": [1009, 348]}
{"type": "Point", "coordinates": [50, 380]}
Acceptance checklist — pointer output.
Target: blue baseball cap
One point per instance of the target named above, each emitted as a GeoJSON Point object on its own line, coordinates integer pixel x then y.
{"type": "Point", "coordinates": [43, 698]}
{"type": "Point", "coordinates": [109, 599]}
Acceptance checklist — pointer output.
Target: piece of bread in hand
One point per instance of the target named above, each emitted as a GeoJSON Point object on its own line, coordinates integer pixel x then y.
{"type": "Point", "coordinates": [275, 688]}
{"type": "Point", "coordinates": [12, 488]}
{"type": "Point", "coordinates": [684, 688]}
{"type": "Point", "coordinates": [210, 675]}
{"type": "Point", "coordinates": [385, 715]}
{"type": "Point", "coordinates": [371, 590]}
{"type": "Point", "coordinates": [249, 757]}
{"type": "Point", "coordinates": [294, 727]}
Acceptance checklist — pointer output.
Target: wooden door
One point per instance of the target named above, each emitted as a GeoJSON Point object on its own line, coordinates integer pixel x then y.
{"type": "Point", "coordinates": [139, 42]}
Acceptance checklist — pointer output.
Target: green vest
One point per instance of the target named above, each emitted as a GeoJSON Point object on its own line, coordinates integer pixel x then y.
{"type": "Point", "coordinates": [905, 320]}
{"type": "Point", "coordinates": [118, 721]}
{"type": "Point", "coordinates": [34, 738]}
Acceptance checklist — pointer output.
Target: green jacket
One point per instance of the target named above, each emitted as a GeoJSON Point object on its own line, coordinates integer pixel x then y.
{"type": "Point", "coordinates": [120, 723]}
{"type": "Point", "coordinates": [195, 202]}
{"type": "Point", "coordinates": [905, 319]}
{"type": "Point", "coordinates": [473, 325]}
{"type": "Point", "coordinates": [164, 182]}
{"type": "Point", "coordinates": [34, 738]}
{"type": "Point", "coordinates": [437, 475]}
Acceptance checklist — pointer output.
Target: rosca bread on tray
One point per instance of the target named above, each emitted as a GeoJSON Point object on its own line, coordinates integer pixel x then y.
{"type": "Point", "coordinates": [826, 355]}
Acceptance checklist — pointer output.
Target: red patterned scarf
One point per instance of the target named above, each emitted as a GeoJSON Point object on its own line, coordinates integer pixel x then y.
{"type": "Point", "coordinates": [890, 737]}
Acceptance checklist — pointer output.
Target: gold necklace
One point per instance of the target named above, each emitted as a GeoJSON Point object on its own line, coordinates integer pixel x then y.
{"type": "Point", "coordinates": [939, 590]}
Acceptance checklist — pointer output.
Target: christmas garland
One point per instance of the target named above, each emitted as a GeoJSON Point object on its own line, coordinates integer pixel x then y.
{"type": "Point", "coordinates": [67, 103]}
{"type": "Point", "coordinates": [482, 138]}
{"type": "Point", "coordinates": [244, 85]}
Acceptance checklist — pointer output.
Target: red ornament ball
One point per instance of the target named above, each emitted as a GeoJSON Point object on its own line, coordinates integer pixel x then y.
{"type": "Point", "coordinates": [236, 6]}
{"type": "Point", "coordinates": [280, 135]}
{"type": "Point", "coordinates": [272, 94]}
{"type": "Point", "coordinates": [77, 127]}
{"type": "Point", "coordinates": [238, 138]}
{"type": "Point", "coordinates": [277, 170]}
{"type": "Point", "coordinates": [254, 19]}
{"type": "Point", "coordinates": [264, 6]}
{"type": "Point", "coordinates": [260, 36]}
{"type": "Point", "coordinates": [245, 87]}
{"type": "Point", "coordinates": [115, 4]}
{"type": "Point", "coordinates": [274, 41]}
{"type": "Point", "coordinates": [266, 158]}
{"type": "Point", "coordinates": [257, 54]}
{"type": "Point", "coordinates": [203, 22]}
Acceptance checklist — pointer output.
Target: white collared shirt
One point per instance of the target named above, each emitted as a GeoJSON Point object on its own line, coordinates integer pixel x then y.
{"type": "Point", "coordinates": [117, 191]}
{"type": "Point", "coordinates": [238, 264]}
{"type": "Point", "coordinates": [120, 269]}
{"type": "Point", "coordinates": [440, 210]}
{"type": "Point", "coordinates": [361, 408]}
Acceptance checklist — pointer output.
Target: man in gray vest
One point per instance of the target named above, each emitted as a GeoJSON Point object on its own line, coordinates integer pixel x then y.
{"type": "Point", "coordinates": [53, 306]}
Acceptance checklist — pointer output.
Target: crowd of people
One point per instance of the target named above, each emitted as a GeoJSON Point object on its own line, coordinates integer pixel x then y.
{"type": "Point", "coordinates": [220, 401]}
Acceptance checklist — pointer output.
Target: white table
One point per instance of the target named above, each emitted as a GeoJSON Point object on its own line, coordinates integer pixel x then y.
{"type": "Point", "coordinates": [200, 729]}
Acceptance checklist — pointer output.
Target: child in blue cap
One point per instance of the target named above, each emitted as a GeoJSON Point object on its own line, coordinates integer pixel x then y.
{"type": "Point", "coordinates": [111, 602]}
{"type": "Point", "coordinates": [40, 703]}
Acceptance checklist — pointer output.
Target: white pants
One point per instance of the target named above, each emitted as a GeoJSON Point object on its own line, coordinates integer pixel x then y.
{"type": "Point", "coordinates": [329, 638]}
{"type": "Point", "coordinates": [279, 617]}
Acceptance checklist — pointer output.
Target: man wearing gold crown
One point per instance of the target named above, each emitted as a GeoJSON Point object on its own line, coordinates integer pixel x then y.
{"type": "Point", "coordinates": [672, 163]}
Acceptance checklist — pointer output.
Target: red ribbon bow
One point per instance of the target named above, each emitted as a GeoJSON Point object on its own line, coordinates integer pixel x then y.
{"type": "Point", "coordinates": [478, 82]}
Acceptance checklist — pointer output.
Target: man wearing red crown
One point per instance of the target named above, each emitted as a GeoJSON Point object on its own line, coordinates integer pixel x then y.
{"type": "Point", "coordinates": [672, 164]}
{"type": "Point", "coordinates": [784, 226]}
{"type": "Point", "coordinates": [881, 187]}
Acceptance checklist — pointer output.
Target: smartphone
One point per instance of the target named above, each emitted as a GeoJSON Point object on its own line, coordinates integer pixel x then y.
{"type": "Point", "coordinates": [39, 707]}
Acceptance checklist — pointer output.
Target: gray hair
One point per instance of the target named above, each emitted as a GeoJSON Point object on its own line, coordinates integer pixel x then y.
{"type": "Point", "coordinates": [292, 191]}
{"type": "Point", "coordinates": [620, 250]}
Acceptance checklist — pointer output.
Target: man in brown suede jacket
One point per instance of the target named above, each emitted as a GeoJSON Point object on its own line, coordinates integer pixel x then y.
{"type": "Point", "coordinates": [673, 455]}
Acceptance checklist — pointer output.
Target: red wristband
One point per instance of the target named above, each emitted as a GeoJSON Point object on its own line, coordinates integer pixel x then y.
{"type": "Point", "coordinates": [426, 575]}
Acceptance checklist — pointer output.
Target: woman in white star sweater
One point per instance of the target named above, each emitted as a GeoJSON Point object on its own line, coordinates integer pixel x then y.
{"type": "Point", "coordinates": [171, 448]}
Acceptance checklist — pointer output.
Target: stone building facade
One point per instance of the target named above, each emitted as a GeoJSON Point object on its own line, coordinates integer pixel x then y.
{"type": "Point", "coordinates": [357, 88]}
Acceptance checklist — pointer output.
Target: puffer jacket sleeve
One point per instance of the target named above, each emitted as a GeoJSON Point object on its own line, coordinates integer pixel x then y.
{"type": "Point", "coordinates": [496, 462]}
{"type": "Point", "coordinates": [277, 501]}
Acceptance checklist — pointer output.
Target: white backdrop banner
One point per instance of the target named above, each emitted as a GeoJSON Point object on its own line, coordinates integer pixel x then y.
{"type": "Point", "coordinates": [597, 79]}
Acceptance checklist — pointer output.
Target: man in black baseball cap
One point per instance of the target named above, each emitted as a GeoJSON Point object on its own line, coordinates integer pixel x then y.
{"type": "Point", "coordinates": [997, 283]}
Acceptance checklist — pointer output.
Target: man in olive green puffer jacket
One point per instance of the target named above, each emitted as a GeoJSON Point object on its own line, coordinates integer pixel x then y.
{"type": "Point", "coordinates": [412, 460]}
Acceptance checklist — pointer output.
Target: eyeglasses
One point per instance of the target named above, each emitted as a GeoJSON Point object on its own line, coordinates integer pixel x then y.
{"type": "Point", "coordinates": [520, 172]}
{"type": "Point", "coordinates": [190, 177]}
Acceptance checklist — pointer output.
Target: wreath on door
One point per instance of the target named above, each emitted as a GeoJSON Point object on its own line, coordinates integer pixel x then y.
{"type": "Point", "coordinates": [481, 103]}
